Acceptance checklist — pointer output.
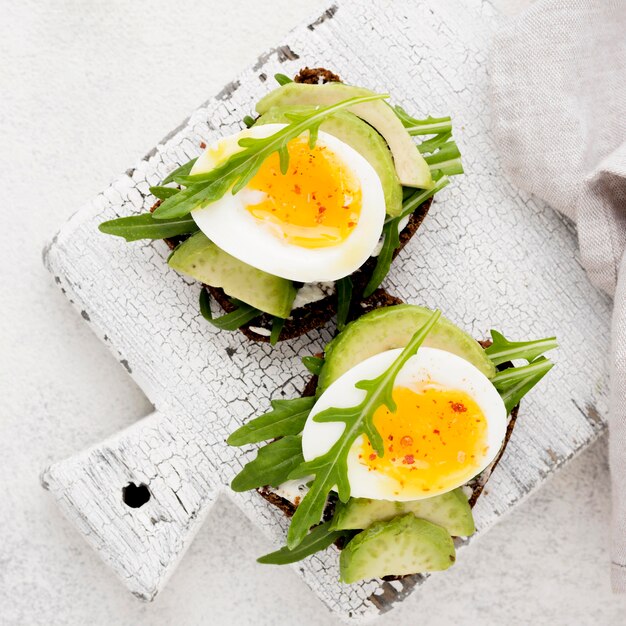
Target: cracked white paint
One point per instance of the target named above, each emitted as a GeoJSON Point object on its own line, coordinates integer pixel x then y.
{"type": "Point", "coordinates": [486, 255]}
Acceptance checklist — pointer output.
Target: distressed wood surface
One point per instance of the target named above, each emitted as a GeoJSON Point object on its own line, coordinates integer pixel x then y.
{"type": "Point", "coordinates": [487, 255]}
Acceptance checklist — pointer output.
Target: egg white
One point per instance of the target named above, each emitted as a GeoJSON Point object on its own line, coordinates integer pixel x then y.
{"type": "Point", "coordinates": [229, 225]}
{"type": "Point", "coordinates": [429, 365]}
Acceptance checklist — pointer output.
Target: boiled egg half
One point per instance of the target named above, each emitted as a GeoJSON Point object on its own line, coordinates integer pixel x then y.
{"type": "Point", "coordinates": [320, 221]}
{"type": "Point", "coordinates": [449, 424]}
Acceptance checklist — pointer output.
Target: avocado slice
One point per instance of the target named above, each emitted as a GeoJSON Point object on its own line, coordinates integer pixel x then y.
{"type": "Point", "coordinates": [201, 259]}
{"type": "Point", "coordinates": [450, 510]}
{"type": "Point", "coordinates": [392, 327]}
{"type": "Point", "coordinates": [363, 138]}
{"type": "Point", "coordinates": [404, 545]}
{"type": "Point", "coordinates": [412, 169]}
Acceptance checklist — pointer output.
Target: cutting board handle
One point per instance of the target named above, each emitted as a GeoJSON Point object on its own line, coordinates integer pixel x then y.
{"type": "Point", "coordinates": [136, 500]}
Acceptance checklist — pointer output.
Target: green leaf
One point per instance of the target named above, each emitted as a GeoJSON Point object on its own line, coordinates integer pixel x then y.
{"type": "Point", "coordinates": [446, 157]}
{"type": "Point", "coordinates": [313, 363]}
{"type": "Point", "coordinates": [277, 327]}
{"type": "Point", "coordinates": [331, 469]}
{"type": "Point", "coordinates": [237, 318]}
{"type": "Point", "coordinates": [230, 321]}
{"type": "Point", "coordinates": [190, 198]}
{"type": "Point", "coordinates": [391, 241]}
{"type": "Point", "coordinates": [144, 226]}
{"type": "Point", "coordinates": [419, 197]}
{"type": "Point", "coordinates": [162, 193]}
{"type": "Point", "coordinates": [183, 170]}
{"type": "Point", "coordinates": [391, 234]}
{"type": "Point", "coordinates": [503, 350]}
{"type": "Point", "coordinates": [238, 169]}
{"type": "Point", "coordinates": [282, 79]}
{"type": "Point", "coordinates": [205, 305]}
{"type": "Point", "coordinates": [430, 145]}
{"type": "Point", "coordinates": [272, 465]}
{"type": "Point", "coordinates": [515, 382]}
{"type": "Point", "coordinates": [318, 539]}
{"type": "Point", "coordinates": [287, 417]}
{"type": "Point", "coordinates": [344, 299]}
{"type": "Point", "coordinates": [429, 126]}
{"type": "Point", "coordinates": [249, 121]}
{"type": "Point", "coordinates": [446, 160]}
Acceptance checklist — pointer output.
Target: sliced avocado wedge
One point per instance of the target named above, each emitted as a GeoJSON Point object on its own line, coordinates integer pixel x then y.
{"type": "Point", "coordinates": [363, 138]}
{"type": "Point", "coordinates": [450, 510]}
{"type": "Point", "coordinates": [412, 169]}
{"type": "Point", "coordinates": [404, 545]}
{"type": "Point", "coordinates": [201, 259]}
{"type": "Point", "coordinates": [392, 327]}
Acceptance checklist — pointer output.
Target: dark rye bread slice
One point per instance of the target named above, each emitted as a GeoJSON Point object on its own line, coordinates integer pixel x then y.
{"type": "Point", "coordinates": [317, 314]}
{"type": "Point", "coordinates": [316, 76]}
{"type": "Point", "coordinates": [380, 298]}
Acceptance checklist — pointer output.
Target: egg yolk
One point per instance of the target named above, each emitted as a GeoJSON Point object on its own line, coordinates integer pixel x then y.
{"type": "Point", "coordinates": [434, 441]}
{"type": "Point", "coordinates": [316, 204]}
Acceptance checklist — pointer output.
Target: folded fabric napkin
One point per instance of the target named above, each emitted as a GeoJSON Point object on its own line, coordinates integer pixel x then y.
{"type": "Point", "coordinates": [558, 76]}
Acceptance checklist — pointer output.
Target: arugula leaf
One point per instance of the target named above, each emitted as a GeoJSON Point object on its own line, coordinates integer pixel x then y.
{"type": "Point", "coordinates": [162, 193]}
{"type": "Point", "coordinates": [446, 160]}
{"type": "Point", "coordinates": [230, 321]}
{"type": "Point", "coordinates": [272, 465]}
{"type": "Point", "coordinates": [420, 196]}
{"type": "Point", "coordinates": [391, 241]}
{"type": "Point", "coordinates": [391, 235]}
{"type": "Point", "coordinates": [514, 383]}
{"type": "Point", "coordinates": [503, 350]}
{"type": "Point", "coordinates": [249, 121]}
{"type": "Point", "coordinates": [205, 304]}
{"type": "Point", "coordinates": [344, 298]}
{"type": "Point", "coordinates": [287, 417]}
{"type": "Point", "coordinates": [144, 226]}
{"type": "Point", "coordinates": [183, 170]}
{"type": "Point", "coordinates": [331, 469]}
{"type": "Point", "coordinates": [429, 126]}
{"type": "Point", "coordinates": [430, 145]}
{"type": "Point", "coordinates": [239, 169]}
{"type": "Point", "coordinates": [282, 79]}
{"type": "Point", "coordinates": [318, 539]}
{"type": "Point", "coordinates": [445, 157]}
{"type": "Point", "coordinates": [277, 327]}
{"type": "Point", "coordinates": [190, 198]}
{"type": "Point", "coordinates": [313, 363]}
{"type": "Point", "coordinates": [237, 318]}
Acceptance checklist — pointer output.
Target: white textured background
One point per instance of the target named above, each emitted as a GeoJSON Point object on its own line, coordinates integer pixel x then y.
{"type": "Point", "coordinates": [85, 89]}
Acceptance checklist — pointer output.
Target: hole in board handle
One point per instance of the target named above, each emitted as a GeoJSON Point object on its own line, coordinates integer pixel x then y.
{"type": "Point", "coordinates": [135, 496]}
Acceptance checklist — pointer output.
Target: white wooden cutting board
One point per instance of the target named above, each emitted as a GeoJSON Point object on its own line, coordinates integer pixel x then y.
{"type": "Point", "coordinates": [486, 255]}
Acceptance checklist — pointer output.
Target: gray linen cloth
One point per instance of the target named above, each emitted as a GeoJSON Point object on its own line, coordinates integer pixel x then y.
{"type": "Point", "coordinates": [558, 87]}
